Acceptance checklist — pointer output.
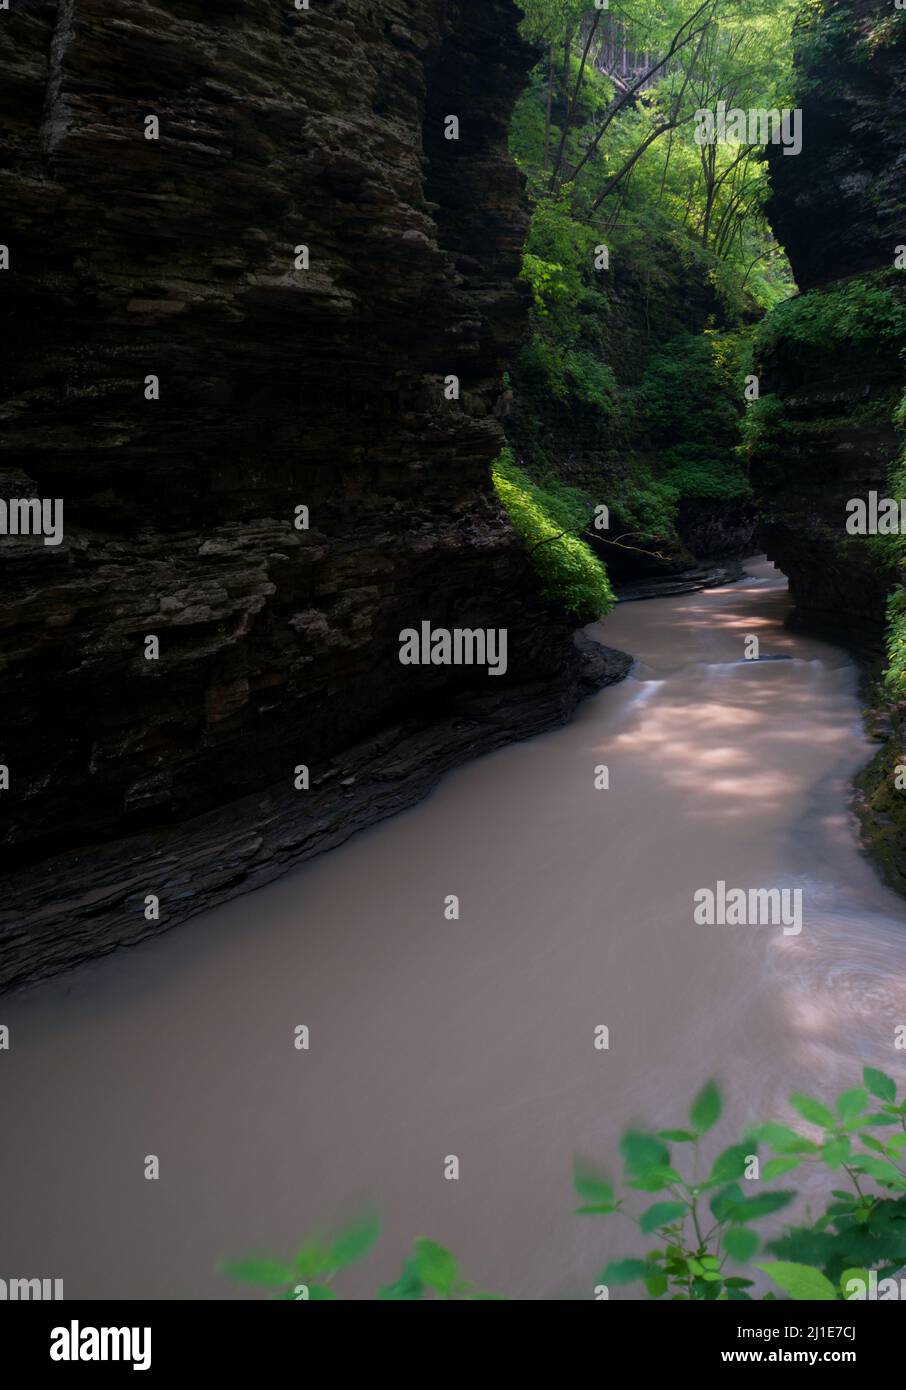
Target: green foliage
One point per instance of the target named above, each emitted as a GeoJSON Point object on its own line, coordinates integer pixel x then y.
{"type": "Point", "coordinates": [702, 1223]}
{"type": "Point", "coordinates": [690, 399]}
{"type": "Point", "coordinates": [644, 509]}
{"type": "Point", "coordinates": [618, 370]}
{"type": "Point", "coordinates": [860, 310]}
{"type": "Point", "coordinates": [309, 1273]}
{"type": "Point", "coordinates": [696, 1254]}
{"type": "Point", "coordinates": [430, 1271]}
{"type": "Point", "coordinates": [895, 675]}
{"type": "Point", "coordinates": [548, 519]}
{"type": "Point", "coordinates": [684, 395]}
{"type": "Point", "coordinates": [571, 373]}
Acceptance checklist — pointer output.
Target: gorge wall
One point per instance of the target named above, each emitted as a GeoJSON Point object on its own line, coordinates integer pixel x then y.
{"type": "Point", "coordinates": [829, 363]}
{"type": "Point", "coordinates": [828, 426]}
{"type": "Point", "coordinates": [280, 387]}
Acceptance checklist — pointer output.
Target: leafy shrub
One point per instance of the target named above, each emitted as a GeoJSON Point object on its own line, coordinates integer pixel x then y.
{"type": "Point", "coordinates": [895, 675]}
{"type": "Point", "coordinates": [591, 381]}
{"type": "Point", "coordinates": [689, 393]}
{"type": "Point", "coordinates": [704, 1227]}
{"type": "Point", "coordinates": [861, 310]}
{"type": "Point", "coordinates": [695, 472]}
{"type": "Point", "coordinates": [308, 1276]}
{"type": "Point", "coordinates": [644, 509]}
{"type": "Point", "coordinates": [546, 519]}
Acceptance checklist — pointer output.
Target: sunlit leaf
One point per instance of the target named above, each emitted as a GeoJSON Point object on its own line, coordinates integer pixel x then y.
{"type": "Point", "coordinates": [801, 1282]}
{"type": "Point", "coordinates": [812, 1110]}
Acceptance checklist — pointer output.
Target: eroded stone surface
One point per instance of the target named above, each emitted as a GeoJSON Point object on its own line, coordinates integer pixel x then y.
{"type": "Point", "coordinates": [278, 388]}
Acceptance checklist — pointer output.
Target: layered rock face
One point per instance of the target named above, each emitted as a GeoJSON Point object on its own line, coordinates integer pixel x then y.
{"type": "Point", "coordinates": [835, 443]}
{"type": "Point", "coordinates": [838, 206]}
{"type": "Point", "coordinates": [252, 314]}
{"type": "Point", "coordinates": [840, 210]}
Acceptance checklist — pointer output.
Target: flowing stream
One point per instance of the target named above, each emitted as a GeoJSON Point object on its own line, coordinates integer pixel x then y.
{"type": "Point", "coordinates": [476, 1037]}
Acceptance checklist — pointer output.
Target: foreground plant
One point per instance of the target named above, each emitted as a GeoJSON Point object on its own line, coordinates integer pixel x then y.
{"type": "Point", "coordinates": [704, 1223]}
{"type": "Point", "coordinates": [429, 1272]}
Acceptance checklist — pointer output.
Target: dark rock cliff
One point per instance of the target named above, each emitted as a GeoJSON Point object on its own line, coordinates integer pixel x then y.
{"type": "Point", "coordinates": [840, 210]}
{"type": "Point", "coordinates": [833, 371]}
{"type": "Point", "coordinates": [838, 205]}
{"type": "Point", "coordinates": [279, 388]}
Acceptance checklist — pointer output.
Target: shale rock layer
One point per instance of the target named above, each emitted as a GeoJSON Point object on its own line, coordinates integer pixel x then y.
{"type": "Point", "coordinates": [288, 378]}
{"type": "Point", "coordinates": [839, 209]}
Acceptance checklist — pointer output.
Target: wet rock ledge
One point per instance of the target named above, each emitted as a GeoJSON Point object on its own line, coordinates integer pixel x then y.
{"type": "Point", "coordinates": [85, 903]}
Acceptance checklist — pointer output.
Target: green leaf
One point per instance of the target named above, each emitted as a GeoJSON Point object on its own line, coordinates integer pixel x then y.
{"type": "Point", "coordinates": [851, 1103]}
{"type": "Point", "coordinates": [656, 1285]}
{"type": "Point", "coordinates": [836, 1152]}
{"type": "Point", "coordinates": [642, 1152]}
{"type": "Point", "coordinates": [706, 1109]}
{"type": "Point", "coordinates": [812, 1110]}
{"type": "Point", "coordinates": [320, 1293]}
{"type": "Point", "coordinates": [879, 1169]}
{"type": "Point", "coordinates": [740, 1244]}
{"type": "Point", "coordinates": [852, 1274]}
{"type": "Point", "coordinates": [268, 1273]}
{"type": "Point", "coordinates": [435, 1266]}
{"type": "Point", "coordinates": [677, 1136]}
{"type": "Point", "coordinates": [351, 1244]}
{"type": "Point", "coordinates": [880, 1084]}
{"type": "Point", "coordinates": [782, 1139]}
{"type": "Point", "coordinates": [655, 1180]}
{"type": "Point", "coordinates": [626, 1272]}
{"type": "Point", "coordinates": [723, 1202]}
{"type": "Point", "coordinates": [775, 1167]}
{"type": "Point", "coordinates": [731, 1163]}
{"type": "Point", "coordinates": [408, 1287]}
{"type": "Point", "coordinates": [801, 1282]}
{"type": "Point", "coordinates": [763, 1205]}
{"type": "Point", "coordinates": [592, 1186]}
{"type": "Point", "coordinates": [313, 1259]}
{"type": "Point", "coordinates": [661, 1214]}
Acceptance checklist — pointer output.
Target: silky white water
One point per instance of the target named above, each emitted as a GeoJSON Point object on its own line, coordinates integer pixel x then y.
{"type": "Point", "coordinates": [475, 1038]}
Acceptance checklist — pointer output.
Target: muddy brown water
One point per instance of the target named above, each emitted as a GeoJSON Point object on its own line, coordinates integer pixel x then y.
{"type": "Point", "coordinates": [475, 1037]}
